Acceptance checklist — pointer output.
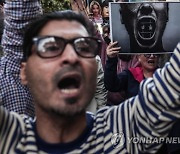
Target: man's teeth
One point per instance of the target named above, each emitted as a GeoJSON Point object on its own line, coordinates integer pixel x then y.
{"type": "Point", "coordinates": [69, 91]}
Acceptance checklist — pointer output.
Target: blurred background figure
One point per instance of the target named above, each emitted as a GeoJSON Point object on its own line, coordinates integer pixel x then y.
{"type": "Point", "coordinates": [100, 98]}
{"type": "Point", "coordinates": [106, 33]}
{"type": "Point", "coordinates": [128, 80]}
{"type": "Point", "coordinates": [124, 62]}
{"type": "Point", "coordinates": [95, 15]}
{"type": "Point", "coordinates": [105, 11]}
{"type": "Point", "coordinates": [95, 12]}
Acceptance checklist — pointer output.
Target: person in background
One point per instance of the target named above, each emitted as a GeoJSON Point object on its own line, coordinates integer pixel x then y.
{"type": "Point", "coordinates": [105, 11]}
{"type": "Point", "coordinates": [124, 62]}
{"type": "Point", "coordinates": [95, 12]}
{"type": "Point", "coordinates": [128, 80]}
{"type": "Point", "coordinates": [99, 1]}
{"type": "Point", "coordinates": [106, 33]}
{"type": "Point", "coordinates": [100, 98]}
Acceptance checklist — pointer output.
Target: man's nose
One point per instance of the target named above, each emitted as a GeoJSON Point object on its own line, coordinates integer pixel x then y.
{"type": "Point", "coordinates": [69, 55]}
{"type": "Point", "coordinates": [146, 9]}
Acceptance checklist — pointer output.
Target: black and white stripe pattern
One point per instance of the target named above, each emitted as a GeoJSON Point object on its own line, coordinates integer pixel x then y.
{"type": "Point", "coordinates": [148, 115]}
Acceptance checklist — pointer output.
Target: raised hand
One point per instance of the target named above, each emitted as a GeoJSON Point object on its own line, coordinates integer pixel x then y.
{"type": "Point", "coordinates": [112, 49]}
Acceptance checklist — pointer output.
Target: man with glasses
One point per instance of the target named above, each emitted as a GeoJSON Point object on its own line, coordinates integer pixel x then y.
{"type": "Point", "coordinates": [14, 95]}
{"type": "Point", "coordinates": [60, 69]}
{"type": "Point", "coordinates": [53, 46]}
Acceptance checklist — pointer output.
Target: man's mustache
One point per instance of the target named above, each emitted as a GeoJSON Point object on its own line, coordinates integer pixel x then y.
{"type": "Point", "coordinates": [66, 69]}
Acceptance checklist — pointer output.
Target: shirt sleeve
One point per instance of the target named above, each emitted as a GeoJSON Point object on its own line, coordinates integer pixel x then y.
{"type": "Point", "coordinates": [158, 104]}
{"type": "Point", "coordinates": [18, 13]}
{"type": "Point", "coordinates": [144, 121]}
{"type": "Point", "coordinates": [11, 128]}
{"type": "Point", "coordinates": [14, 95]}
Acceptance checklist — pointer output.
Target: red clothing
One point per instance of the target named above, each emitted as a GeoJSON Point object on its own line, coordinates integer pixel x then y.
{"type": "Point", "coordinates": [137, 73]}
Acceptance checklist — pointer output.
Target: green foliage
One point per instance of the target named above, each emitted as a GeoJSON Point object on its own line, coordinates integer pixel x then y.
{"type": "Point", "coordinates": [55, 5]}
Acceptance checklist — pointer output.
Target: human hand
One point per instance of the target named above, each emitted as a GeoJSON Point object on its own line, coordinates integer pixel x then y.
{"type": "Point", "coordinates": [111, 50]}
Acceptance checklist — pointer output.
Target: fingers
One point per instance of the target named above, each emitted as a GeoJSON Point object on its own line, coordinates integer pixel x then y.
{"type": "Point", "coordinates": [111, 50]}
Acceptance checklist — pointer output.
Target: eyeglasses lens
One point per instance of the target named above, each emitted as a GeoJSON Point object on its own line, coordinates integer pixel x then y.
{"type": "Point", "coordinates": [49, 47]}
{"type": "Point", "coordinates": [86, 47]}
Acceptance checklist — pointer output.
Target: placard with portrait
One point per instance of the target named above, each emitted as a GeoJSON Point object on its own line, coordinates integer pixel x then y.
{"type": "Point", "coordinates": [145, 27]}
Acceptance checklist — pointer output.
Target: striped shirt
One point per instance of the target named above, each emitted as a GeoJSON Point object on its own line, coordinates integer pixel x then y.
{"type": "Point", "coordinates": [117, 129]}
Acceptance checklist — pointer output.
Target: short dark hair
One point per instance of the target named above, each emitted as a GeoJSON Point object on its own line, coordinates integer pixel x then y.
{"type": "Point", "coordinates": [35, 27]}
{"type": "Point", "coordinates": [106, 3]}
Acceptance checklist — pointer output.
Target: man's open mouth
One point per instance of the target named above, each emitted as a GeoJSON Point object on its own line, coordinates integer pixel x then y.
{"type": "Point", "coordinates": [69, 84]}
{"type": "Point", "coordinates": [146, 28]}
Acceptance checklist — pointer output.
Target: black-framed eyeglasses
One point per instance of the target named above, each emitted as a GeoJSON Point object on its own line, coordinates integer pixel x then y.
{"type": "Point", "coordinates": [53, 46]}
{"type": "Point", "coordinates": [149, 55]}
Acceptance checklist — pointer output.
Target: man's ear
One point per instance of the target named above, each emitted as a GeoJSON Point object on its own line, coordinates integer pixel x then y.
{"type": "Point", "coordinates": [23, 73]}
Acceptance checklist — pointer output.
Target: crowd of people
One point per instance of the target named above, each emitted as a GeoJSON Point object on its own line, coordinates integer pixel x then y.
{"type": "Point", "coordinates": [58, 78]}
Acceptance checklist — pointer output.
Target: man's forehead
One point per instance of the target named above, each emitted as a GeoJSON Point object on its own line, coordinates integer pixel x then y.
{"type": "Point", "coordinates": [64, 27]}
